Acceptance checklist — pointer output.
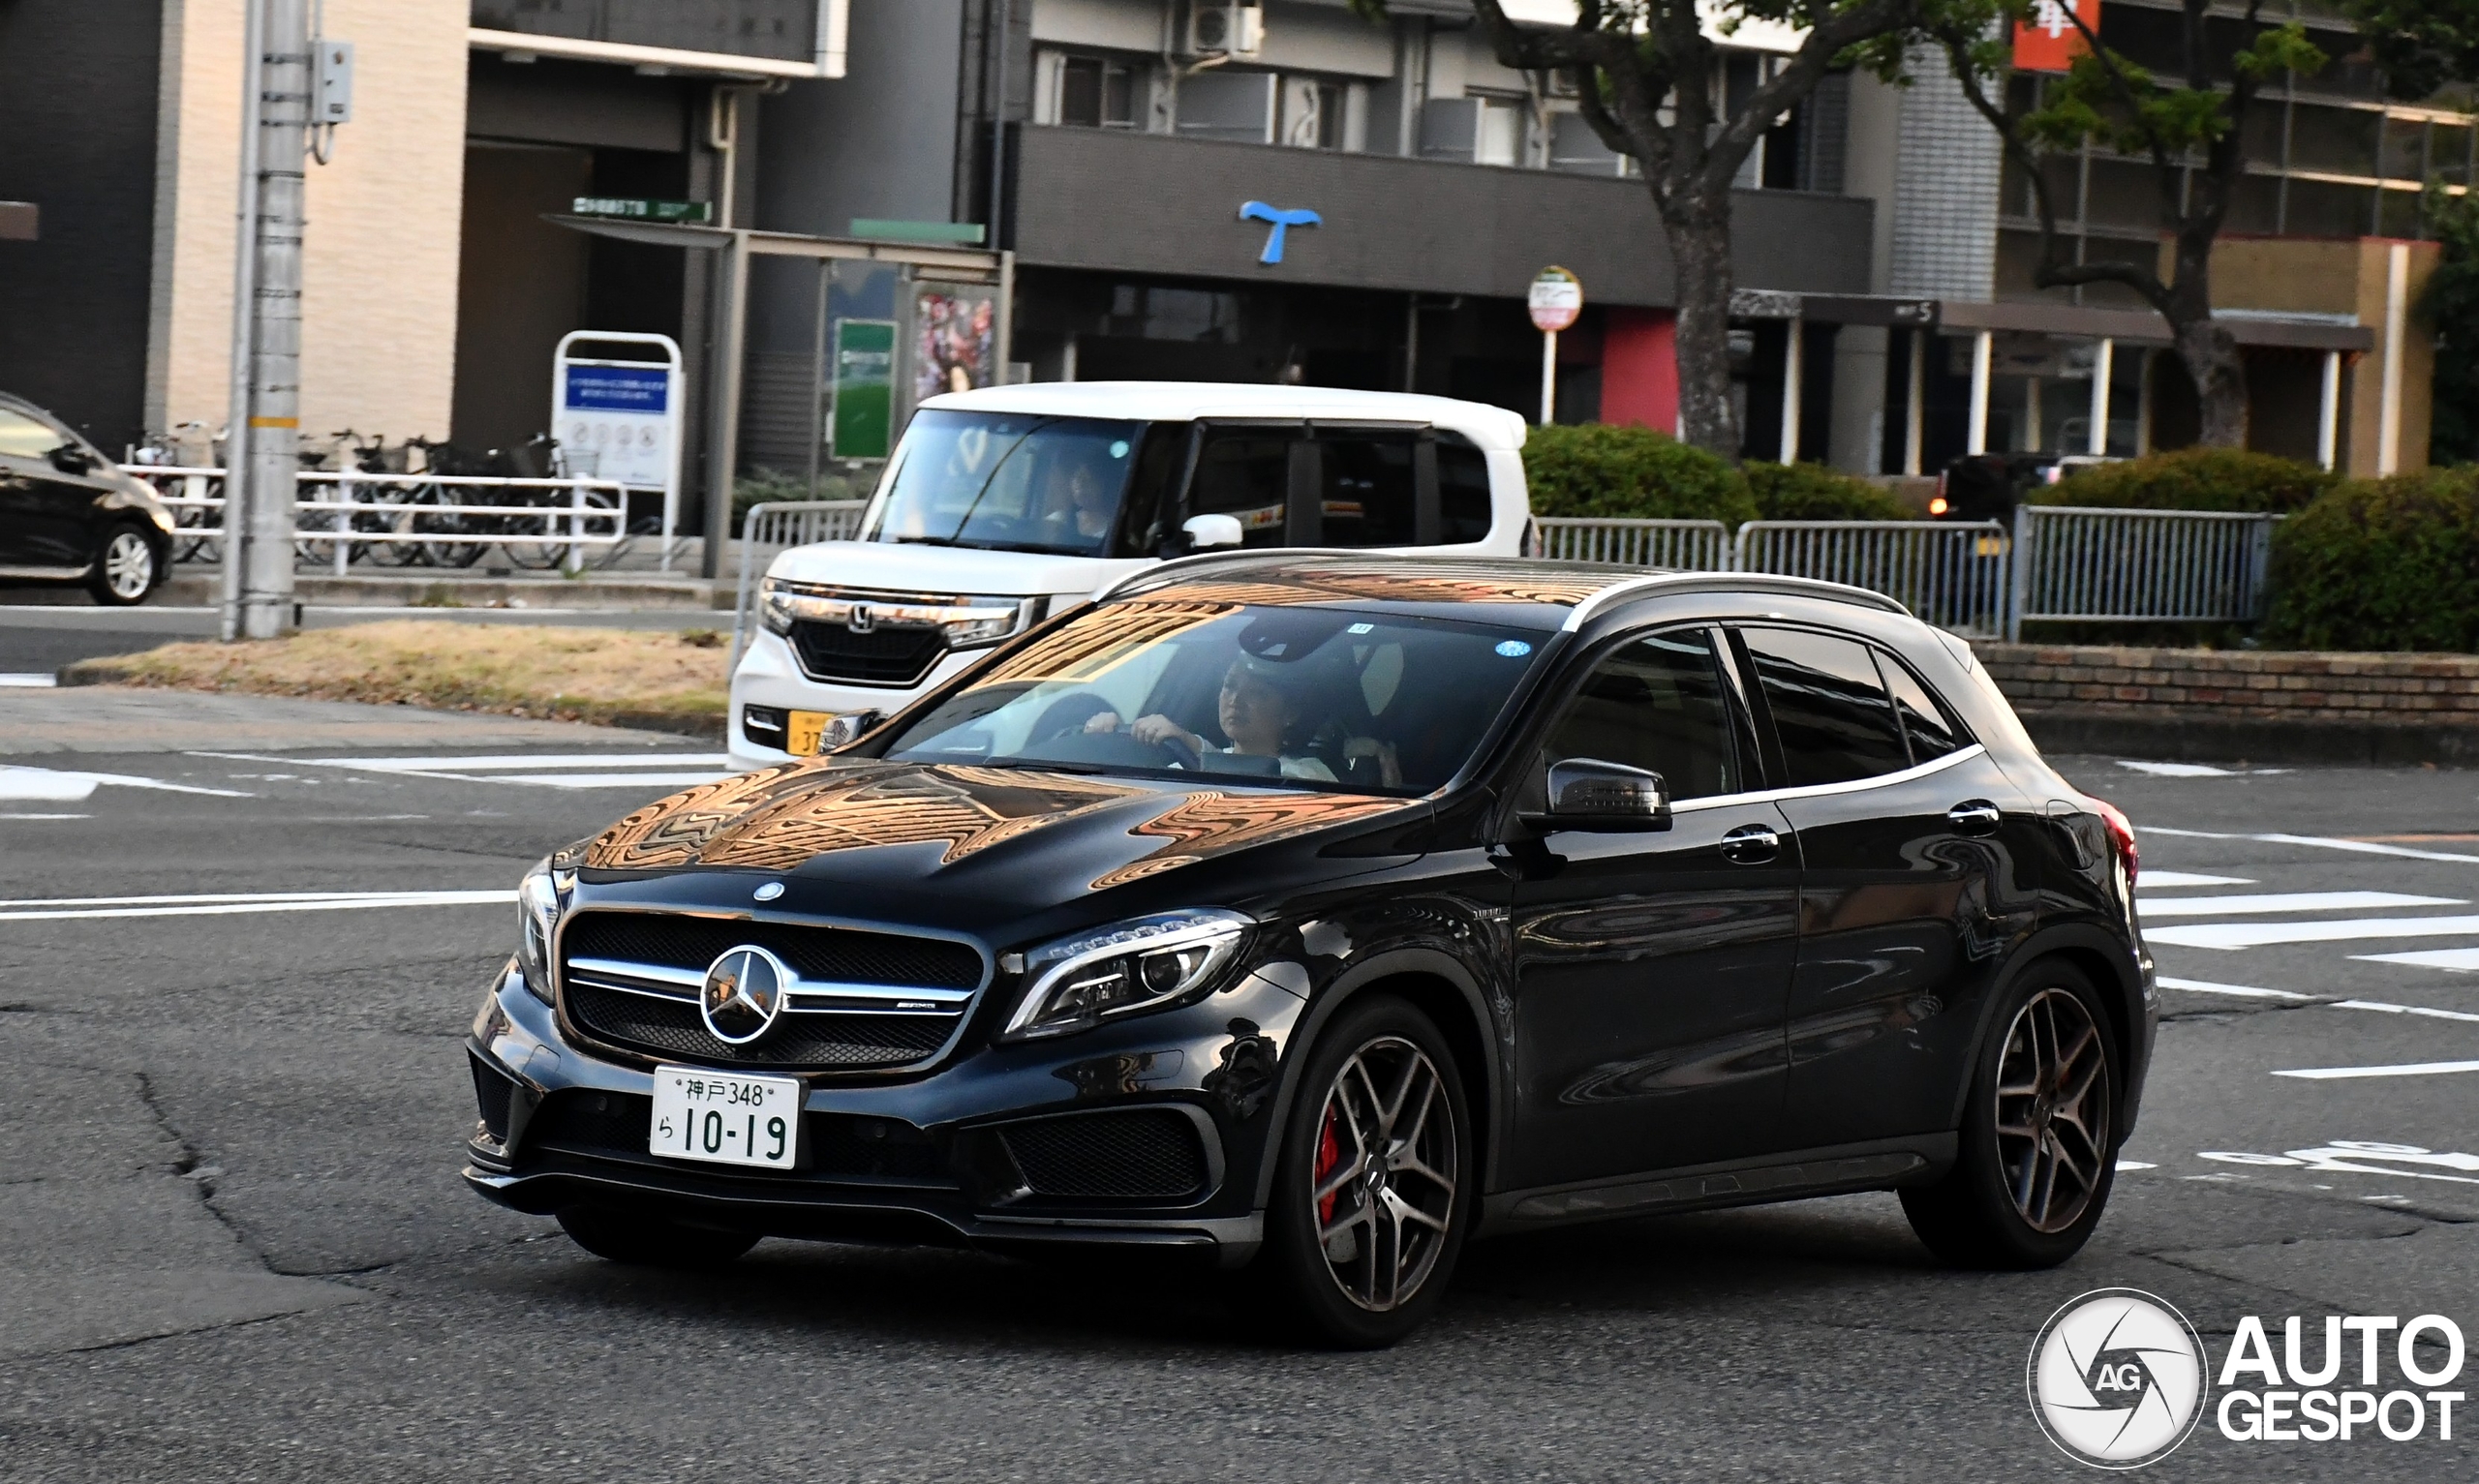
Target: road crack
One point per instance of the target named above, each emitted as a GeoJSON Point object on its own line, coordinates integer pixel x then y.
{"type": "Point", "coordinates": [190, 1166]}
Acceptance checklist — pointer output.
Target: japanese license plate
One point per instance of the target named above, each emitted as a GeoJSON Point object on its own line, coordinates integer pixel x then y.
{"type": "Point", "coordinates": [803, 731]}
{"type": "Point", "coordinates": [726, 1119]}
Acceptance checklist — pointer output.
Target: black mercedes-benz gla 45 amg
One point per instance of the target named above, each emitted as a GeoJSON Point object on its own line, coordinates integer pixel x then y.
{"type": "Point", "coordinates": [1313, 913]}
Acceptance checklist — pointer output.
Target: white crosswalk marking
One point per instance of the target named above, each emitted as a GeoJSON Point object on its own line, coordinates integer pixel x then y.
{"type": "Point", "coordinates": [54, 785]}
{"type": "Point", "coordinates": [2288, 901]}
{"type": "Point", "coordinates": [2318, 841]}
{"type": "Point", "coordinates": [2247, 991]}
{"type": "Point", "coordinates": [2243, 935]}
{"type": "Point", "coordinates": [2462, 960]}
{"type": "Point", "coordinates": [56, 908]}
{"type": "Point", "coordinates": [2408, 1069]}
{"type": "Point", "coordinates": [2154, 881]}
{"type": "Point", "coordinates": [547, 769]}
{"type": "Point", "coordinates": [609, 779]}
{"type": "Point", "coordinates": [2405, 1010]}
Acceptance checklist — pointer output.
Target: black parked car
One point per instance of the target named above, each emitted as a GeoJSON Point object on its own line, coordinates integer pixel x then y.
{"type": "Point", "coordinates": [1314, 911]}
{"type": "Point", "coordinates": [69, 514]}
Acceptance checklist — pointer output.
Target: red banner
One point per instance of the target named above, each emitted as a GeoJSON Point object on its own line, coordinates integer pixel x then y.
{"type": "Point", "coordinates": [2048, 41]}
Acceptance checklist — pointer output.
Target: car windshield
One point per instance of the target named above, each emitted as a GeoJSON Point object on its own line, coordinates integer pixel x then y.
{"type": "Point", "coordinates": [1010, 481]}
{"type": "Point", "coordinates": [1328, 698]}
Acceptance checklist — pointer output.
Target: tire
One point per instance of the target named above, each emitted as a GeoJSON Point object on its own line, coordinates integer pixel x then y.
{"type": "Point", "coordinates": [2039, 1150]}
{"type": "Point", "coordinates": [1336, 1291]}
{"type": "Point", "coordinates": [639, 1240]}
{"type": "Point", "coordinates": [128, 567]}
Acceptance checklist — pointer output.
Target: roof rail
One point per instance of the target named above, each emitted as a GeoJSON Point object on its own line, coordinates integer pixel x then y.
{"type": "Point", "coordinates": [1660, 584]}
{"type": "Point", "coordinates": [1182, 566]}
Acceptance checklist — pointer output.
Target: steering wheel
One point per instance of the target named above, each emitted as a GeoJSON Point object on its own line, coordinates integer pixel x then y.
{"type": "Point", "coordinates": [1181, 752]}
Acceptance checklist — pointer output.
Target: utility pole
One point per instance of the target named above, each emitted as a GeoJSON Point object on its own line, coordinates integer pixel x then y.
{"type": "Point", "coordinates": [263, 445]}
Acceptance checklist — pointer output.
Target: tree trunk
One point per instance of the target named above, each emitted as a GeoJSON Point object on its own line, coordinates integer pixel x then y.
{"type": "Point", "coordinates": [1700, 244]}
{"type": "Point", "coordinates": [2209, 350]}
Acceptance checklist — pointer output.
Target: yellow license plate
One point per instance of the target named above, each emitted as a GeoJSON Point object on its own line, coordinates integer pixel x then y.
{"type": "Point", "coordinates": [803, 730]}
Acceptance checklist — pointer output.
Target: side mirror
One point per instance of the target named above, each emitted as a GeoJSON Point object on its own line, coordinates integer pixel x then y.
{"type": "Point", "coordinates": [1208, 531]}
{"type": "Point", "coordinates": [1588, 794]}
{"type": "Point", "coordinates": [848, 728]}
{"type": "Point", "coordinates": [69, 459]}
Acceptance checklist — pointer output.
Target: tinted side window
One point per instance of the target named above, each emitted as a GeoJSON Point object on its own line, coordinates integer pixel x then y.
{"type": "Point", "coordinates": [1367, 489]}
{"type": "Point", "coordinates": [1656, 703]}
{"type": "Point", "coordinates": [1159, 459]}
{"type": "Point", "coordinates": [1247, 476]}
{"type": "Point", "coordinates": [1829, 706]}
{"type": "Point", "coordinates": [1463, 490]}
{"type": "Point", "coordinates": [1932, 731]}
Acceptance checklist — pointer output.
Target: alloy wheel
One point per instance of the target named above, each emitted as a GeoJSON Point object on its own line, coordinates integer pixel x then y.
{"type": "Point", "coordinates": [129, 565]}
{"type": "Point", "coordinates": [2053, 1110]}
{"type": "Point", "coordinates": [1383, 1183]}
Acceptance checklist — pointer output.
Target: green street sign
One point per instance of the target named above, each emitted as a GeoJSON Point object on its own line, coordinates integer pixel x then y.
{"type": "Point", "coordinates": [863, 424]}
{"type": "Point", "coordinates": [641, 209]}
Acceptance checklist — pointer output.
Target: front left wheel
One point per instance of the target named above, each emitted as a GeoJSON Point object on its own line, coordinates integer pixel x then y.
{"type": "Point", "coordinates": [1374, 1189]}
{"type": "Point", "coordinates": [127, 568]}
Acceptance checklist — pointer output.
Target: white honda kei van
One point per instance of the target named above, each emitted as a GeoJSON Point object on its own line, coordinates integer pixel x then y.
{"type": "Point", "coordinates": [1004, 506]}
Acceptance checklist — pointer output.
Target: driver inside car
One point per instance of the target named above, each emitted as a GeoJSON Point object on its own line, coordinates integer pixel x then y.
{"type": "Point", "coordinates": [1257, 711]}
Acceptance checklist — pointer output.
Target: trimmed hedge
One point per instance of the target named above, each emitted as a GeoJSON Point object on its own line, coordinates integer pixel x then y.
{"type": "Point", "coordinates": [1595, 469]}
{"type": "Point", "coordinates": [2192, 479]}
{"type": "Point", "coordinates": [1811, 492]}
{"type": "Point", "coordinates": [2380, 564]}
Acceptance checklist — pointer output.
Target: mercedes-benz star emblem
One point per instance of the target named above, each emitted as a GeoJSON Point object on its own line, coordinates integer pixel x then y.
{"type": "Point", "coordinates": [743, 993]}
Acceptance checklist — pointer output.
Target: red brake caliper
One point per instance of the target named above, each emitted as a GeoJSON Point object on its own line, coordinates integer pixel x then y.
{"type": "Point", "coordinates": [1330, 1154]}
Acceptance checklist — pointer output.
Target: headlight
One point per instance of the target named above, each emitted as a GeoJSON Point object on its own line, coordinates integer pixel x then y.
{"type": "Point", "coordinates": [1140, 964]}
{"type": "Point", "coordinates": [541, 899]}
{"type": "Point", "coordinates": [775, 607]}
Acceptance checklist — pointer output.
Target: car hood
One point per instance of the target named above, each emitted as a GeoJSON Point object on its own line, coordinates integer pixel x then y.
{"type": "Point", "coordinates": [999, 839]}
{"type": "Point", "coordinates": [897, 566]}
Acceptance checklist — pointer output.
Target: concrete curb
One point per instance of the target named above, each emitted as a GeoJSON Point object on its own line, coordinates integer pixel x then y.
{"type": "Point", "coordinates": [2231, 739]}
{"type": "Point", "coordinates": [435, 592]}
{"type": "Point", "coordinates": [705, 728]}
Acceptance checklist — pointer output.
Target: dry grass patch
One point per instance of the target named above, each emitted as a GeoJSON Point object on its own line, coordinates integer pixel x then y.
{"type": "Point", "coordinates": [665, 677]}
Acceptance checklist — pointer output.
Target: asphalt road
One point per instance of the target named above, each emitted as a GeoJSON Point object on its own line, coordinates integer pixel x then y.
{"type": "Point", "coordinates": [233, 1242]}
{"type": "Point", "coordinates": [38, 638]}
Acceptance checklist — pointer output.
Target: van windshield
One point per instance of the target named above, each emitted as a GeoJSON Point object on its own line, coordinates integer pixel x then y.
{"type": "Point", "coordinates": [1008, 481]}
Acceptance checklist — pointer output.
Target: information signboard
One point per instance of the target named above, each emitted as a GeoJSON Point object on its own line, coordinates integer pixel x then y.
{"type": "Point", "coordinates": [619, 419]}
{"type": "Point", "coordinates": [863, 424]}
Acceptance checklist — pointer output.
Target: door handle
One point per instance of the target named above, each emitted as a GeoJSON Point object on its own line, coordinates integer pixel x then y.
{"type": "Point", "coordinates": [1974, 816]}
{"type": "Point", "coordinates": [1751, 845]}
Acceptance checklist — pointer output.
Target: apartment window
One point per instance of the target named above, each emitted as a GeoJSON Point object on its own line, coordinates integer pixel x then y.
{"type": "Point", "coordinates": [1477, 130]}
{"type": "Point", "coordinates": [1096, 94]}
{"type": "Point", "coordinates": [1313, 114]}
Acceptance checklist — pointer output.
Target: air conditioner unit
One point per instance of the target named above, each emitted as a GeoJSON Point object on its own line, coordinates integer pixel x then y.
{"type": "Point", "coordinates": [1225, 28]}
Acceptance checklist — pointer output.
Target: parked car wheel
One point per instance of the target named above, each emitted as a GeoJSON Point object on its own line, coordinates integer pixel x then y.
{"type": "Point", "coordinates": [1374, 1190]}
{"type": "Point", "coordinates": [2039, 1137]}
{"type": "Point", "coordinates": [641, 1240]}
{"type": "Point", "coordinates": [126, 567]}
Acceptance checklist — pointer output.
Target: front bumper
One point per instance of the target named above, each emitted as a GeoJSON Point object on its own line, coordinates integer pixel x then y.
{"type": "Point", "coordinates": [768, 675]}
{"type": "Point", "coordinates": [931, 1159]}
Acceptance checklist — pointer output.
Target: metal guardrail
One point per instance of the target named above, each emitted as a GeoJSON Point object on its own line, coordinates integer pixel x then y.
{"type": "Point", "coordinates": [446, 518]}
{"type": "Point", "coordinates": [1951, 574]}
{"type": "Point", "coordinates": [778, 525]}
{"type": "Point", "coordinates": [2085, 564]}
{"type": "Point", "coordinates": [1688, 546]}
{"type": "Point", "coordinates": [2059, 563]}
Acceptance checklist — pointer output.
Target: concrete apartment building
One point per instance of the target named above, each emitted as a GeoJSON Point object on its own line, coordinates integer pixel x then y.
{"type": "Point", "coordinates": [1104, 150]}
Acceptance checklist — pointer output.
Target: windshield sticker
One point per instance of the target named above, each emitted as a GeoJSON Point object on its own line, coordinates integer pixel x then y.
{"type": "Point", "coordinates": [1118, 449]}
{"type": "Point", "coordinates": [1514, 649]}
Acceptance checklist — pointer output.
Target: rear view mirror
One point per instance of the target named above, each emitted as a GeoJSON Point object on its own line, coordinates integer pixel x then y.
{"type": "Point", "coordinates": [69, 459]}
{"type": "Point", "coordinates": [1588, 794]}
{"type": "Point", "coordinates": [1207, 532]}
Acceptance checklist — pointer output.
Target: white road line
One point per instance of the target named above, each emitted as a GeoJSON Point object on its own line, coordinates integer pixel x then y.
{"type": "Point", "coordinates": [2240, 935]}
{"type": "Point", "coordinates": [2126, 1164]}
{"type": "Point", "coordinates": [2288, 901]}
{"type": "Point", "coordinates": [46, 816]}
{"type": "Point", "coordinates": [2155, 880]}
{"type": "Point", "coordinates": [501, 762]}
{"type": "Point", "coordinates": [2249, 991]}
{"type": "Point", "coordinates": [608, 779]}
{"type": "Point", "coordinates": [2461, 960]}
{"type": "Point", "coordinates": [51, 785]}
{"type": "Point", "coordinates": [229, 909]}
{"type": "Point", "coordinates": [185, 897]}
{"type": "Point", "coordinates": [2197, 770]}
{"type": "Point", "coordinates": [38, 680]}
{"type": "Point", "coordinates": [2322, 842]}
{"type": "Point", "coordinates": [2409, 1069]}
{"type": "Point", "coordinates": [2404, 1009]}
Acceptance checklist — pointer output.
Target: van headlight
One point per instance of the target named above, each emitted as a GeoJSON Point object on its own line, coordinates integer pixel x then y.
{"type": "Point", "coordinates": [1143, 963]}
{"type": "Point", "coordinates": [541, 898]}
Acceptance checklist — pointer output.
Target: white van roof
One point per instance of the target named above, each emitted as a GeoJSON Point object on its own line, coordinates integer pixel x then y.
{"type": "Point", "coordinates": [1489, 427]}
